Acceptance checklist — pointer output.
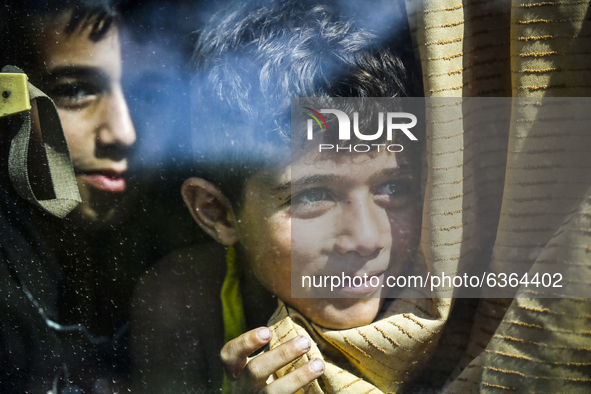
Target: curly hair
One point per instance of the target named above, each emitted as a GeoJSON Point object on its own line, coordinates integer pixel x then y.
{"type": "Point", "coordinates": [251, 60]}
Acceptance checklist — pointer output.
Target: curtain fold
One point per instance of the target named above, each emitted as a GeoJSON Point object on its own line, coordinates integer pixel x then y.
{"type": "Point", "coordinates": [508, 184]}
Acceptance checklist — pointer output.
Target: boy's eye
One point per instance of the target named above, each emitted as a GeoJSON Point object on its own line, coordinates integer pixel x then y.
{"type": "Point", "coordinates": [311, 203]}
{"type": "Point", "coordinates": [73, 94]}
{"type": "Point", "coordinates": [311, 196]}
{"type": "Point", "coordinates": [394, 188]}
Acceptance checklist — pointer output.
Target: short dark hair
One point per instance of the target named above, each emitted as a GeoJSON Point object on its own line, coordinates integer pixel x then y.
{"type": "Point", "coordinates": [250, 61]}
{"type": "Point", "coordinates": [19, 18]}
{"type": "Point", "coordinates": [18, 46]}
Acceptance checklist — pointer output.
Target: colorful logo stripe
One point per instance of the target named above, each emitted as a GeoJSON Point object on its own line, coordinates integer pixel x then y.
{"type": "Point", "coordinates": [316, 119]}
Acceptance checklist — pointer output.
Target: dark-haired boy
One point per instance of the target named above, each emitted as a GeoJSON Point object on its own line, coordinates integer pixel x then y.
{"type": "Point", "coordinates": [360, 209]}
{"type": "Point", "coordinates": [64, 287]}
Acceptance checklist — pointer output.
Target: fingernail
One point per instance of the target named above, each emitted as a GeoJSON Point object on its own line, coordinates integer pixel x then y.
{"type": "Point", "coordinates": [264, 334]}
{"type": "Point", "coordinates": [317, 366]}
{"type": "Point", "coordinates": [303, 343]}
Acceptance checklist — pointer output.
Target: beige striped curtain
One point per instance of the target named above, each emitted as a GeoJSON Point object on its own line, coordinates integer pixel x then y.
{"type": "Point", "coordinates": [509, 191]}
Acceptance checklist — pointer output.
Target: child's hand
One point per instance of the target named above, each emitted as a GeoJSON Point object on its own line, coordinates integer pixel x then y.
{"type": "Point", "coordinates": [249, 375]}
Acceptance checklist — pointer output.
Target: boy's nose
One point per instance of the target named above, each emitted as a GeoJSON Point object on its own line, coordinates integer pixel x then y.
{"type": "Point", "coordinates": [116, 128]}
{"type": "Point", "coordinates": [362, 231]}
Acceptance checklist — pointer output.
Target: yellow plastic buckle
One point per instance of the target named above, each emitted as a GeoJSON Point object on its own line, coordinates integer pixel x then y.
{"type": "Point", "coordinates": [14, 94]}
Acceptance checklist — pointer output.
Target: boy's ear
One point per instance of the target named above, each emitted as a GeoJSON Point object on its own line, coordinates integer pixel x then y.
{"type": "Point", "coordinates": [210, 209]}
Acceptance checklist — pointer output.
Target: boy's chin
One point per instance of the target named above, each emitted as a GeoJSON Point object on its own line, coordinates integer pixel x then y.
{"type": "Point", "coordinates": [342, 313]}
{"type": "Point", "coordinates": [101, 210]}
{"type": "Point", "coordinates": [92, 218]}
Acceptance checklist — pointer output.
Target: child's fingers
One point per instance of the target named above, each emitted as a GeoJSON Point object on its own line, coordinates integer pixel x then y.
{"type": "Point", "coordinates": [297, 379]}
{"type": "Point", "coordinates": [258, 369]}
{"type": "Point", "coordinates": [235, 353]}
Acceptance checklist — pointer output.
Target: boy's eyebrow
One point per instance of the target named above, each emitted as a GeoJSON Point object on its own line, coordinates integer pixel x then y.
{"type": "Point", "coordinates": [77, 72]}
{"type": "Point", "coordinates": [395, 171]}
{"type": "Point", "coordinates": [308, 180]}
{"type": "Point", "coordinates": [302, 182]}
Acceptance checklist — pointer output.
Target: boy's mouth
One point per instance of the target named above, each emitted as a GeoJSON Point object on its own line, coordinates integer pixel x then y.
{"type": "Point", "coordinates": [363, 284]}
{"type": "Point", "coordinates": [109, 181]}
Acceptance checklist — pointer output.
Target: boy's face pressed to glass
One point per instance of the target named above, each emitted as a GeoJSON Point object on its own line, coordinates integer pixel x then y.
{"type": "Point", "coordinates": [83, 77]}
{"type": "Point", "coordinates": [332, 214]}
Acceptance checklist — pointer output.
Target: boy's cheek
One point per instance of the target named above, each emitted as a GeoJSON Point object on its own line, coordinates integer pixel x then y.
{"type": "Point", "coordinates": [406, 231]}
{"type": "Point", "coordinates": [272, 266]}
{"type": "Point", "coordinates": [309, 239]}
{"type": "Point", "coordinates": [406, 223]}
